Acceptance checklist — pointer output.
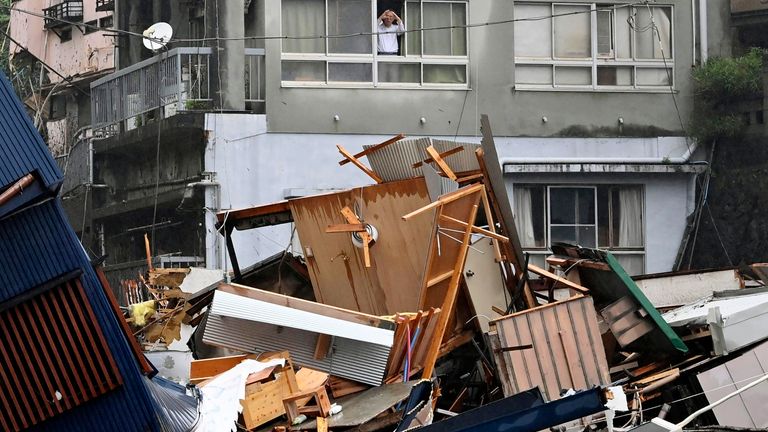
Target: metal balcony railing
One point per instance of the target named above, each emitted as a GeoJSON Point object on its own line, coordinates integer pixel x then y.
{"type": "Point", "coordinates": [69, 10]}
{"type": "Point", "coordinates": [105, 5]}
{"type": "Point", "coordinates": [178, 80]}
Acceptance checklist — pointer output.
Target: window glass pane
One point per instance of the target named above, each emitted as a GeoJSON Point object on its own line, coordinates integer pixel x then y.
{"type": "Point", "coordinates": [653, 77]}
{"type": "Point", "coordinates": [304, 18]}
{"type": "Point", "coordinates": [303, 71]}
{"type": "Point", "coordinates": [437, 42]}
{"type": "Point", "coordinates": [529, 215]}
{"type": "Point", "coordinates": [623, 33]}
{"type": "Point", "coordinates": [399, 72]}
{"type": "Point", "coordinates": [529, 74]}
{"type": "Point", "coordinates": [348, 17]}
{"type": "Point", "coordinates": [459, 42]}
{"type": "Point", "coordinates": [627, 216]}
{"type": "Point", "coordinates": [603, 219]}
{"type": "Point", "coordinates": [350, 72]}
{"type": "Point", "coordinates": [605, 33]}
{"type": "Point", "coordinates": [614, 75]}
{"type": "Point", "coordinates": [533, 38]}
{"type": "Point", "coordinates": [573, 76]}
{"type": "Point", "coordinates": [572, 32]}
{"type": "Point", "coordinates": [564, 234]}
{"type": "Point", "coordinates": [562, 206]}
{"type": "Point", "coordinates": [445, 74]}
{"type": "Point", "coordinates": [586, 206]}
{"type": "Point", "coordinates": [586, 236]}
{"type": "Point", "coordinates": [647, 41]}
{"type": "Point", "coordinates": [412, 20]}
{"type": "Point", "coordinates": [633, 264]}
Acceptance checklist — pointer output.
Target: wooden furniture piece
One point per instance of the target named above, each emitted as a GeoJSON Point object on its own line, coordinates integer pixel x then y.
{"type": "Point", "coordinates": [320, 396]}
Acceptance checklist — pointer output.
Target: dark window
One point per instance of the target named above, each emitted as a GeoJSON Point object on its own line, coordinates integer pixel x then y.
{"type": "Point", "coordinates": [759, 119]}
{"type": "Point", "coordinates": [91, 26]}
{"type": "Point", "coordinates": [54, 357]}
{"type": "Point", "coordinates": [106, 22]}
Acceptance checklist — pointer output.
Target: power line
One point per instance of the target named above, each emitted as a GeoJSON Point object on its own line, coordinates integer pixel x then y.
{"type": "Point", "coordinates": [333, 36]}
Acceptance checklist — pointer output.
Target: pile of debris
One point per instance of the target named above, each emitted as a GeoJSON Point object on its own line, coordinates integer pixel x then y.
{"type": "Point", "coordinates": [412, 305]}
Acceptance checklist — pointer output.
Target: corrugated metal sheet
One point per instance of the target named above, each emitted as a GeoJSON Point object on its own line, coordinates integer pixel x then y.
{"type": "Point", "coordinates": [555, 347]}
{"type": "Point", "coordinates": [394, 162]}
{"type": "Point", "coordinates": [235, 306]}
{"type": "Point", "coordinates": [22, 150]}
{"type": "Point", "coordinates": [178, 411]}
{"type": "Point", "coordinates": [345, 360]}
{"type": "Point", "coordinates": [38, 245]}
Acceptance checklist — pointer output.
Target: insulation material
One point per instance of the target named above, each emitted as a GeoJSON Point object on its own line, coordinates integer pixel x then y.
{"type": "Point", "coordinates": [556, 346]}
{"type": "Point", "coordinates": [222, 395]}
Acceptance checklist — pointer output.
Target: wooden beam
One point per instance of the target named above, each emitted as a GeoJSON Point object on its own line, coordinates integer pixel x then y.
{"type": "Point", "coordinates": [442, 155]}
{"type": "Point", "coordinates": [492, 226]}
{"type": "Point", "coordinates": [375, 148]}
{"type": "Point", "coordinates": [322, 346]}
{"type": "Point", "coordinates": [149, 252]}
{"type": "Point", "coordinates": [345, 228]}
{"type": "Point", "coordinates": [439, 278]}
{"type": "Point", "coordinates": [476, 229]}
{"type": "Point", "coordinates": [16, 188]}
{"type": "Point", "coordinates": [558, 279]}
{"type": "Point", "coordinates": [232, 216]}
{"type": "Point", "coordinates": [359, 164]}
{"type": "Point", "coordinates": [441, 163]}
{"type": "Point", "coordinates": [445, 199]}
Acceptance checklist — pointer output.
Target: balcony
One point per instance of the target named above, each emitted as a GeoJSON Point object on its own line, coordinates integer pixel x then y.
{"type": "Point", "coordinates": [164, 85]}
{"type": "Point", "coordinates": [69, 10]}
{"type": "Point", "coordinates": [105, 5]}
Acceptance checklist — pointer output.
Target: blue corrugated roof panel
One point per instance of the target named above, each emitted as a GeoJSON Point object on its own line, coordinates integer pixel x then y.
{"type": "Point", "coordinates": [39, 245]}
{"type": "Point", "coordinates": [22, 150]}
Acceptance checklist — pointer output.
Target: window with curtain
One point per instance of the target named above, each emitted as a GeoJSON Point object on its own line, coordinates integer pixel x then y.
{"type": "Point", "coordinates": [428, 57]}
{"type": "Point", "coordinates": [608, 217]}
{"type": "Point", "coordinates": [593, 45]}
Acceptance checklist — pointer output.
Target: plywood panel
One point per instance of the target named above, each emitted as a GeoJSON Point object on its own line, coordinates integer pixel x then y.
{"type": "Point", "coordinates": [393, 282]}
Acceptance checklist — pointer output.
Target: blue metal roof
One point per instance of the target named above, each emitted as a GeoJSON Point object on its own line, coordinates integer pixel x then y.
{"type": "Point", "coordinates": [38, 245]}
{"type": "Point", "coordinates": [22, 150]}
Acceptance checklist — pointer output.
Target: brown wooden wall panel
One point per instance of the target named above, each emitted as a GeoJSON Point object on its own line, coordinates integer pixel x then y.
{"type": "Point", "coordinates": [54, 357]}
{"type": "Point", "coordinates": [555, 346]}
{"type": "Point", "coordinates": [393, 282]}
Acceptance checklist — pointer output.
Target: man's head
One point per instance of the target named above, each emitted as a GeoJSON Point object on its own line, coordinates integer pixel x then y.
{"type": "Point", "coordinates": [388, 18]}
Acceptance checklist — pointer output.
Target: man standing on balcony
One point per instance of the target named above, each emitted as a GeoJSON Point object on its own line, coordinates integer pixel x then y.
{"type": "Point", "coordinates": [388, 33]}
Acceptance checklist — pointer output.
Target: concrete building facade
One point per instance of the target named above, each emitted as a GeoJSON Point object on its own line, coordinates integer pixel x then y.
{"type": "Point", "coordinates": [589, 103]}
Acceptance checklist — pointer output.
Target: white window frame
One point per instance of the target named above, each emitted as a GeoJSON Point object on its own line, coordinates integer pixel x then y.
{"type": "Point", "coordinates": [596, 60]}
{"type": "Point", "coordinates": [543, 252]}
{"type": "Point", "coordinates": [374, 59]}
{"type": "Point", "coordinates": [549, 210]}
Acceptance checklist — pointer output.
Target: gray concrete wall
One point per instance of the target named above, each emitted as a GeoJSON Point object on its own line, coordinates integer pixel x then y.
{"type": "Point", "coordinates": [516, 112]}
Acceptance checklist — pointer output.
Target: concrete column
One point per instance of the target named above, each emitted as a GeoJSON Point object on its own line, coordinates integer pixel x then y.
{"type": "Point", "coordinates": [225, 20]}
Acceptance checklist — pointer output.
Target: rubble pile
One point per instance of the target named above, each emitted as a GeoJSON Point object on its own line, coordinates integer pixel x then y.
{"type": "Point", "coordinates": [411, 305]}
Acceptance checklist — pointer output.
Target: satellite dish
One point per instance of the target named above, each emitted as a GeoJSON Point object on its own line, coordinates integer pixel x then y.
{"type": "Point", "coordinates": [157, 35]}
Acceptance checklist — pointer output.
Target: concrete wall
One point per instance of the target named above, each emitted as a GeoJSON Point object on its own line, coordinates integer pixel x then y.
{"type": "Point", "coordinates": [515, 112]}
{"type": "Point", "coordinates": [82, 55]}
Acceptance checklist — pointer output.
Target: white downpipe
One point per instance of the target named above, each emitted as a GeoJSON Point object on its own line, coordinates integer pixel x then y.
{"type": "Point", "coordinates": [693, 30]}
{"type": "Point", "coordinates": [594, 159]}
{"type": "Point", "coordinates": [703, 30]}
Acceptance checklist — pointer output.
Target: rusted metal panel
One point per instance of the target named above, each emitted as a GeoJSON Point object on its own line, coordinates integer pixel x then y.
{"type": "Point", "coordinates": [42, 336]}
{"type": "Point", "coordinates": [556, 346]}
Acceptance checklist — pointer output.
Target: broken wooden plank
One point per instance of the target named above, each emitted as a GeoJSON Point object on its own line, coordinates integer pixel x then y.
{"type": "Point", "coordinates": [345, 228]}
{"type": "Point", "coordinates": [442, 155]}
{"type": "Point", "coordinates": [476, 229]}
{"type": "Point", "coordinates": [558, 279]}
{"type": "Point", "coordinates": [323, 346]}
{"type": "Point", "coordinates": [441, 163]}
{"type": "Point", "coordinates": [359, 164]}
{"type": "Point", "coordinates": [375, 148]}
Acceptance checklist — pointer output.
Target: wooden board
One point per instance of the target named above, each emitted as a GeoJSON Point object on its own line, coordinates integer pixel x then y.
{"type": "Point", "coordinates": [201, 370]}
{"type": "Point", "coordinates": [337, 268]}
{"type": "Point", "coordinates": [264, 401]}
